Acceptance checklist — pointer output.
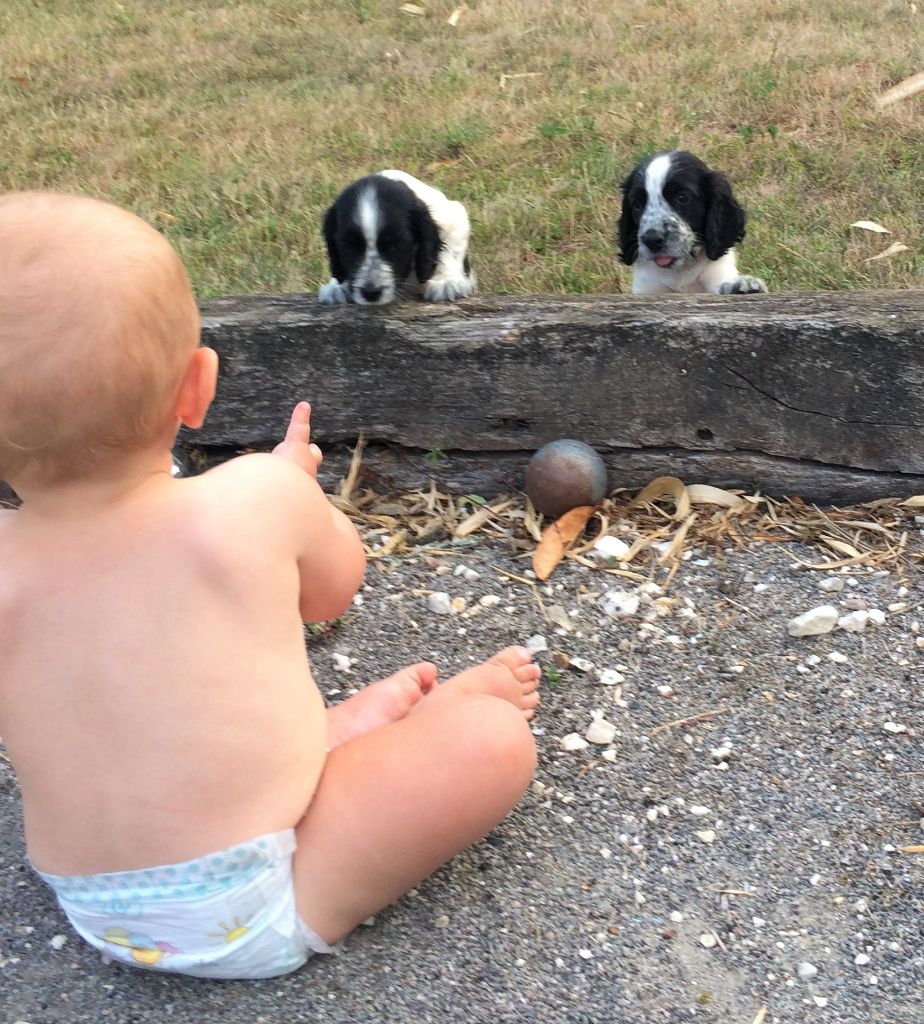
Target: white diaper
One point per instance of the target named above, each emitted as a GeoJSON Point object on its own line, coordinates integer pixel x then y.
{"type": "Point", "coordinates": [226, 915]}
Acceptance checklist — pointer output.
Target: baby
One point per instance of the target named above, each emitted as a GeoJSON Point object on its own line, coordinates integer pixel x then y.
{"type": "Point", "coordinates": [186, 794]}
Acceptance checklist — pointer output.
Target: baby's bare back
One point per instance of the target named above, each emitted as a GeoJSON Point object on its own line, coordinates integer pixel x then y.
{"type": "Point", "coordinates": [155, 696]}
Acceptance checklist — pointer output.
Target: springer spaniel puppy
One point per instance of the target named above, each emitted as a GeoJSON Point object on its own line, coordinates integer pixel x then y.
{"type": "Point", "coordinates": [388, 232]}
{"type": "Point", "coordinates": [679, 226]}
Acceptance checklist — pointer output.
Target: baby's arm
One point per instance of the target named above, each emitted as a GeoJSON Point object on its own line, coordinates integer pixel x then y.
{"type": "Point", "coordinates": [331, 559]}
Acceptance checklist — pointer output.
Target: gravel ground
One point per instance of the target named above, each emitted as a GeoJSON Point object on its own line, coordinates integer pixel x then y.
{"type": "Point", "coordinates": [702, 872]}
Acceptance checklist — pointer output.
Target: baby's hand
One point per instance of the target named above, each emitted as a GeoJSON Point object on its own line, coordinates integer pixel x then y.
{"type": "Point", "coordinates": [297, 447]}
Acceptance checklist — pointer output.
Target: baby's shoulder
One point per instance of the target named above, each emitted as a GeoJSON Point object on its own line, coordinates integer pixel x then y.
{"type": "Point", "coordinates": [259, 485]}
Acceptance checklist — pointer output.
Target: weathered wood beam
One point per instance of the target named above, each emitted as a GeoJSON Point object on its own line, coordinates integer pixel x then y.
{"type": "Point", "coordinates": [820, 394]}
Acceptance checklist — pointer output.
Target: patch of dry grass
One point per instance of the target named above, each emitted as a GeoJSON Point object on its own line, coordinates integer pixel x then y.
{"type": "Point", "coordinates": [232, 125]}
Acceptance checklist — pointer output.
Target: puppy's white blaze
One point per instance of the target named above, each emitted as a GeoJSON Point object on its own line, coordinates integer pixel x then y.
{"type": "Point", "coordinates": [657, 213]}
{"type": "Point", "coordinates": [373, 272]}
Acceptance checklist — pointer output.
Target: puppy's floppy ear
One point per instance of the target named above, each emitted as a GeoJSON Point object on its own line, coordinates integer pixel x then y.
{"type": "Point", "coordinates": [337, 268]}
{"type": "Point", "coordinates": [627, 228]}
{"type": "Point", "coordinates": [724, 217]}
{"type": "Point", "coordinates": [427, 241]}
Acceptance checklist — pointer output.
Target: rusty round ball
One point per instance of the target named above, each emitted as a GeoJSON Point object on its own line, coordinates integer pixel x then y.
{"type": "Point", "coordinates": [564, 474]}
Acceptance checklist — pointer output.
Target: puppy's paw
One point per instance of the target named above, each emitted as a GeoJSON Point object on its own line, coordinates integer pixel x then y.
{"type": "Point", "coordinates": [333, 293]}
{"type": "Point", "coordinates": [742, 285]}
{"type": "Point", "coordinates": [448, 289]}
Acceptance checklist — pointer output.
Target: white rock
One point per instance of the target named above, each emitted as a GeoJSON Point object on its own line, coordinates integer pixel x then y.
{"type": "Point", "coordinates": [813, 622]}
{"type": "Point", "coordinates": [439, 603]}
{"type": "Point", "coordinates": [57, 941]}
{"type": "Point", "coordinates": [877, 616]}
{"type": "Point", "coordinates": [722, 753]}
{"type": "Point", "coordinates": [489, 601]}
{"type": "Point", "coordinates": [861, 959]}
{"type": "Point", "coordinates": [812, 660]}
{"type": "Point", "coordinates": [600, 731]}
{"type": "Point", "coordinates": [574, 741]}
{"type": "Point", "coordinates": [537, 644]}
{"type": "Point", "coordinates": [853, 622]}
{"type": "Point", "coordinates": [805, 970]}
{"type": "Point", "coordinates": [707, 835]}
{"type": "Point", "coordinates": [610, 677]}
{"type": "Point", "coordinates": [699, 810]}
{"type": "Point", "coordinates": [620, 603]}
{"type": "Point", "coordinates": [676, 916]}
{"type": "Point", "coordinates": [708, 940]}
{"type": "Point", "coordinates": [609, 548]}
{"type": "Point", "coordinates": [831, 584]}
{"type": "Point", "coordinates": [894, 727]}
{"type": "Point", "coordinates": [820, 1001]}
{"type": "Point", "coordinates": [342, 663]}
{"type": "Point", "coordinates": [582, 664]}
{"type": "Point", "coordinates": [838, 658]}
{"type": "Point", "coordinates": [665, 691]}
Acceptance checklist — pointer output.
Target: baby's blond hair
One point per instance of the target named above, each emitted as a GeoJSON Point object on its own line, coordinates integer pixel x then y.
{"type": "Point", "coordinates": [97, 325]}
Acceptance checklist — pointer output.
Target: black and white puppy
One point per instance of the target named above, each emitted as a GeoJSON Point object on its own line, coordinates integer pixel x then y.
{"type": "Point", "coordinates": [679, 226]}
{"type": "Point", "coordinates": [389, 232]}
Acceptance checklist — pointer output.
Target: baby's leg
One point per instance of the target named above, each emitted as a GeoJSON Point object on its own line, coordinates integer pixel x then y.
{"type": "Point", "coordinates": [397, 802]}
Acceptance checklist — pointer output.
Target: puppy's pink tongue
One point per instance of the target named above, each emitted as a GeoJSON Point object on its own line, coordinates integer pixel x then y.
{"type": "Point", "coordinates": [664, 261]}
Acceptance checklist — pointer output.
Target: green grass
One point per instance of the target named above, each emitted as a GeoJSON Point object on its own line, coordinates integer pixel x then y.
{"type": "Point", "coordinates": [231, 125]}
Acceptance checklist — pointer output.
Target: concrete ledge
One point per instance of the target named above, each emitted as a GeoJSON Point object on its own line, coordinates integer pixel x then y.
{"type": "Point", "coordinates": [820, 394]}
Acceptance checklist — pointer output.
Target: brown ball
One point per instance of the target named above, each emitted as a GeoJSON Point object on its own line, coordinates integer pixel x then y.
{"type": "Point", "coordinates": [563, 475]}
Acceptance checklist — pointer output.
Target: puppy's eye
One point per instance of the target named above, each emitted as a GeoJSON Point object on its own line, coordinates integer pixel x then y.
{"type": "Point", "coordinates": [682, 198]}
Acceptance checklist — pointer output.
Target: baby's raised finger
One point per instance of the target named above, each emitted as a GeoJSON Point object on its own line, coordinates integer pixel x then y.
{"type": "Point", "coordinates": [299, 430]}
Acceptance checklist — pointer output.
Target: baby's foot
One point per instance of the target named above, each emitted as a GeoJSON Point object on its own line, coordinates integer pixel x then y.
{"type": "Point", "coordinates": [510, 675]}
{"type": "Point", "coordinates": [380, 703]}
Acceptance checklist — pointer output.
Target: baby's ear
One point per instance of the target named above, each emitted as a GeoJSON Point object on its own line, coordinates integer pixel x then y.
{"type": "Point", "coordinates": [724, 217]}
{"type": "Point", "coordinates": [197, 388]}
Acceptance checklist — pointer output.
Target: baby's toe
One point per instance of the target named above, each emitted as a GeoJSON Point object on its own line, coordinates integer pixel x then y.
{"type": "Point", "coordinates": [513, 658]}
{"type": "Point", "coordinates": [528, 677]}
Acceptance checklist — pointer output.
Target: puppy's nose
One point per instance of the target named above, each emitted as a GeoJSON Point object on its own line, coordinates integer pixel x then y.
{"type": "Point", "coordinates": [371, 294]}
{"type": "Point", "coordinates": [653, 240]}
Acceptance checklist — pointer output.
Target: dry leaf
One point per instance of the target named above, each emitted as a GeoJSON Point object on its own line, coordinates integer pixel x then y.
{"type": "Point", "coordinates": [19, 79]}
{"type": "Point", "coordinates": [453, 18]}
{"type": "Point", "coordinates": [167, 218]}
{"type": "Point", "coordinates": [915, 501]}
{"type": "Point", "coordinates": [557, 538]}
{"type": "Point", "coordinates": [677, 540]}
{"type": "Point", "coordinates": [870, 225]}
{"type": "Point", "coordinates": [903, 91]}
{"type": "Point", "coordinates": [479, 518]}
{"type": "Point", "coordinates": [894, 249]}
{"type": "Point", "coordinates": [705, 494]}
{"type": "Point", "coordinates": [412, 9]}
{"type": "Point", "coordinates": [840, 546]}
{"type": "Point", "coordinates": [666, 487]}
{"type": "Point", "coordinates": [912, 849]}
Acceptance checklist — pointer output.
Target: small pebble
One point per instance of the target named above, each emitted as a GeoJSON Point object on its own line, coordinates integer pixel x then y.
{"type": "Point", "coordinates": [439, 603]}
{"type": "Point", "coordinates": [707, 835]}
{"type": "Point", "coordinates": [831, 584]}
{"type": "Point", "coordinates": [838, 658]}
{"type": "Point", "coordinates": [489, 600]}
{"type": "Point", "coordinates": [537, 644]}
{"type": "Point", "coordinates": [708, 940]}
{"type": "Point", "coordinates": [574, 741]}
{"type": "Point", "coordinates": [699, 810]}
{"type": "Point", "coordinates": [814, 622]}
{"type": "Point", "coordinates": [57, 941]}
{"type": "Point", "coordinates": [805, 970]}
{"type": "Point", "coordinates": [600, 731]}
{"type": "Point", "coordinates": [861, 959]}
